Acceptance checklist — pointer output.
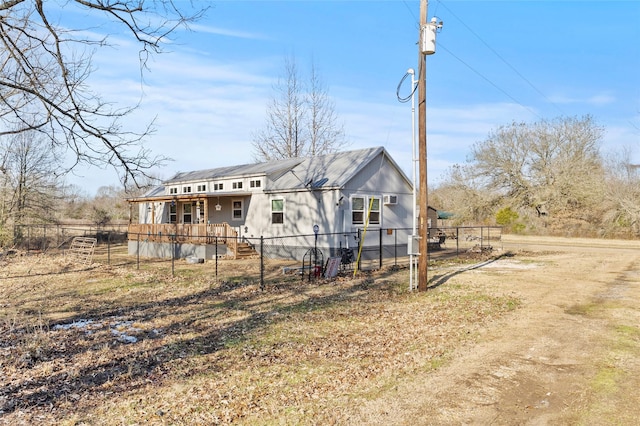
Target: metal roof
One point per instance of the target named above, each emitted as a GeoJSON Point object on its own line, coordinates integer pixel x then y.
{"type": "Point", "coordinates": [331, 171]}
{"type": "Point", "coordinates": [154, 192]}
{"type": "Point", "coordinates": [325, 171]}
{"type": "Point", "coordinates": [230, 172]}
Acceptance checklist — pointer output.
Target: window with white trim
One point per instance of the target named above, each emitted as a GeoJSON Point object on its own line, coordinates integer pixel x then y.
{"type": "Point", "coordinates": [255, 183]}
{"type": "Point", "coordinates": [202, 188]}
{"type": "Point", "coordinates": [173, 190]}
{"type": "Point", "coordinates": [186, 189]}
{"type": "Point", "coordinates": [186, 213]}
{"type": "Point", "coordinates": [237, 212]}
{"type": "Point", "coordinates": [218, 186]}
{"type": "Point", "coordinates": [173, 212]}
{"type": "Point", "coordinates": [237, 185]}
{"type": "Point", "coordinates": [277, 211]}
{"type": "Point", "coordinates": [359, 208]}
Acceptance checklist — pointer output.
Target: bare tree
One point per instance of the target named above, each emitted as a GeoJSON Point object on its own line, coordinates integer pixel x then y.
{"type": "Point", "coordinates": [325, 133]}
{"type": "Point", "coordinates": [111, 200]}
{"type": "Point", "coordinates": [463, 194]}
{"type": "Point", "coordinates": [282, 136]}
{"type": "Point", "coordinates": [549, 165]}
{"type": "Point", "coordinates": [45, 66]}
{"type": "Point", "coordinates": [622, 197]}
{"type": "Point", "coordinates": [29, 182]}
{"type": "Point", "coordinates": [301, 119]}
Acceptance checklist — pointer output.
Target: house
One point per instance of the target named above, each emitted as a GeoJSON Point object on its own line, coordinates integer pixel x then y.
{"type": "Point", "coordinates": [218, 212]}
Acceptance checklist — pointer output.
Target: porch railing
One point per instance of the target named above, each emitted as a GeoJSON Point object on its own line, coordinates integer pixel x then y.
{"type": "Point", "coordinates": [220, 233]}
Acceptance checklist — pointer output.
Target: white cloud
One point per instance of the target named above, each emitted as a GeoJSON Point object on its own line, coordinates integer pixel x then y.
{"type": "Point", "coordinates": [208, 29]}
{"type": "Point", "coordinates": [598, 99]}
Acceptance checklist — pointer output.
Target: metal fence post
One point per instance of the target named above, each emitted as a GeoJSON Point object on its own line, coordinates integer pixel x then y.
{"type": "Point", "coordinates": [173, 256]}
{"type": "Point", "coordinates": [261, 262]}
{"type": "Point", "coordinates": [216, 256]}
{"type": "Point", "coordinates": [395, 246]}
{"type": "Point", "coordinates": [138, 252]}
{"type": "Point", "coordinates": [109, 247]}
{"type": "Point", "coordinates": [380, 249]}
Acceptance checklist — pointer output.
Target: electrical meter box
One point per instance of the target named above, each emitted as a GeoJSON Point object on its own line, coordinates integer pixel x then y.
{"type": "Point", "coordinates": [413, 245]}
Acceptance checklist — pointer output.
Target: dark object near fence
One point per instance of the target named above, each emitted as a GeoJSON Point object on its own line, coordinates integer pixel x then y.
{"type": "Point", "coordinates": [315, 264]}
{"type": "Point", "coordinates": [111, 236]}
{"type": "Point", "coordinates": [347, 256]}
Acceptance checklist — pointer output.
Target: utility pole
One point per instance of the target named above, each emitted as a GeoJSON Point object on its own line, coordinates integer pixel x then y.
{"type": "Point", "coordinates": [423, 231]}
{"type": "Point", "coordinates": [427, 46]}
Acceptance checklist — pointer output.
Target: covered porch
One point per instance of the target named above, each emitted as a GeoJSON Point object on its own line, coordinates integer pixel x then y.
{"type": "Point", "coordinates": [201, 233]}
{"type": "Point", "coordinates": [196, 222]}
{"type": "Point", "coordinates": [188, 240]}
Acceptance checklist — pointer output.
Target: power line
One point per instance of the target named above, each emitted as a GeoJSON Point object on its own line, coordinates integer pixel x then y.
{"type": "Point", "coordinates": [501, 58]}
{"type": "Point", "coordinates": [488, 80]}
{"type": "Point", "coordinates": [415, 18]}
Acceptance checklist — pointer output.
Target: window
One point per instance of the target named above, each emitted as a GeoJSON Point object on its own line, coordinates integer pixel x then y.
{"type": "Point", "coordinates": [218, 186]}
{"type": "Point", "coordinates": [202, 188]}
{"type": "Point", "coordinates": [357, 211]}
{"type": "Point", "coordinates": [173, 212]}
{"type": "Point", "coordinates": [237, 185]}
{"type": "Point", "coordinates": [186, 213]}
{"type": "Point", "coordinates": [374, 214]}
{"type": "Point", "coordinates": [173, 190]}
{"type": "Point", "coordinates": [186, 189]}
{"type": "Point", "coordinates": [277, 212]}
{"type": "Point", "coordinates": [359, 207]}
{"type": "Point", "coordinates": [237, 211]}
{"type": "Point", "coordinates": [255, 183]}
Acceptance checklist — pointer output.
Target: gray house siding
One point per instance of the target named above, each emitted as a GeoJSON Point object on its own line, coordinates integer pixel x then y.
{"type": "Point", "coordinates": [316, 191]}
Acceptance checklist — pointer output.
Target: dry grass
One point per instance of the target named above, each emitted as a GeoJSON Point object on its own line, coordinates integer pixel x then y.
{"type": "Point", "coordinates": [118, 345]}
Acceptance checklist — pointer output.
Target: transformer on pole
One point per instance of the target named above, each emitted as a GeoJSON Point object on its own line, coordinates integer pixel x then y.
{"type": "Point", "coordinates": [428, 36]}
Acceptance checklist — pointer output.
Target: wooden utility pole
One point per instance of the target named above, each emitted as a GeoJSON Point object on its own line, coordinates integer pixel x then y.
{"type": "Point", "coordinates": [423, 221]}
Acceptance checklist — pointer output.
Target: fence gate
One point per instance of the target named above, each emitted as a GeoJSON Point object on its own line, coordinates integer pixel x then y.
{"type": "Point", "coordinates": [81, 250]}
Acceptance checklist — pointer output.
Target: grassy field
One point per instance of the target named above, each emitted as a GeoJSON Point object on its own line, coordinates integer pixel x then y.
{"type": "Point", "coordinates": [113, 344]}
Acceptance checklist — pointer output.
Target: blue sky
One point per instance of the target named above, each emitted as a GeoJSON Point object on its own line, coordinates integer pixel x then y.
{"type": "Point", "coordinates": [496, 62]}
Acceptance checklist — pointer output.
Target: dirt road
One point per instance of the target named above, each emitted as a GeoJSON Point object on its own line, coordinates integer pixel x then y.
{"type": "Point", "coordinates": [570, 354]}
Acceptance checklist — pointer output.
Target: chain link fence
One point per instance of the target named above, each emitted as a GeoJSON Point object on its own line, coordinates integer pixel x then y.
{"type": "Point", "coordinates": [307, 257]}
{"type": "Point", "coordinates": [465, 239]}
{"type": "Point", "coordinates": [47, 237]}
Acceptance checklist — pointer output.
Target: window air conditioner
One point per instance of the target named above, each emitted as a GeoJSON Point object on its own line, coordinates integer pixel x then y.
{"type": "Point", "coordinates": [390, 199]}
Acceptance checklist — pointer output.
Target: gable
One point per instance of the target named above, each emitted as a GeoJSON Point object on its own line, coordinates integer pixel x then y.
{"type": "Point", "coordinates": [336, 171]}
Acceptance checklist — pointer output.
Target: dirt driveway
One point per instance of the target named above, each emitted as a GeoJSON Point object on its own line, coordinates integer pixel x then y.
{"type": "Point", "coordinates": [569, 355]}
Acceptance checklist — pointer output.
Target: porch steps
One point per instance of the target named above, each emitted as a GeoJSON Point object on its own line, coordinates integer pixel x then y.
{"type": "Point", "coordinates": [245, 251]}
